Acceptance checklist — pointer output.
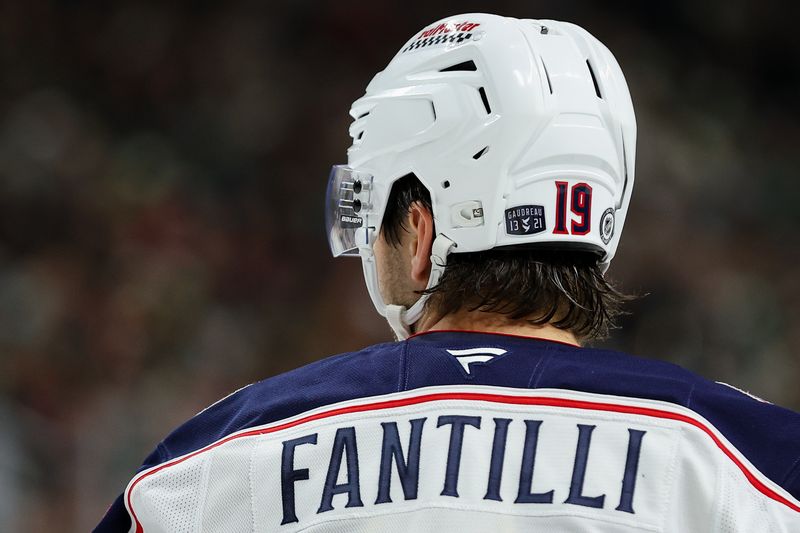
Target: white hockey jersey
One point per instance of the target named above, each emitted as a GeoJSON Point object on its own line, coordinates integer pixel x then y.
{"type": "Point", "coordinates": [474, 432]}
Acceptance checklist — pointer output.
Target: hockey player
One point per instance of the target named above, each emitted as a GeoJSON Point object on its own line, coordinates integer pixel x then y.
{"type": "Point", "coordinates": [485, 192]}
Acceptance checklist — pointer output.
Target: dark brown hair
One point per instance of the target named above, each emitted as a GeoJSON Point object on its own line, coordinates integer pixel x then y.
{"type": "Point", "coordinates": [536, 284]}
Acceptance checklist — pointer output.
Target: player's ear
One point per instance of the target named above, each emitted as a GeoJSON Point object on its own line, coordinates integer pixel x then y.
{"type": "Point", "coordinates": [420, 225]}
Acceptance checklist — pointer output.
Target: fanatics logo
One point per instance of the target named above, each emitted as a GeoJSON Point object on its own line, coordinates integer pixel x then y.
{"type": "Point", "coordinates": [475, 355]}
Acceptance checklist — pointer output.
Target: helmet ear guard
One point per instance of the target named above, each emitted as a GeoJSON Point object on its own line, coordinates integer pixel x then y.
{"type": "Point", "coordinates": [522, 131]}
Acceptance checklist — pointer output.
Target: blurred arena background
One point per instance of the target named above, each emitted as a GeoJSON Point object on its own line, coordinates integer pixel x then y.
{"type": "Point", "coordinates": [162, 176]}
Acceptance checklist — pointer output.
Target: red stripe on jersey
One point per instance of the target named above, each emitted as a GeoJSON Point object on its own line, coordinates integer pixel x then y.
{"type": "Point", "coordinates": [481, 397]}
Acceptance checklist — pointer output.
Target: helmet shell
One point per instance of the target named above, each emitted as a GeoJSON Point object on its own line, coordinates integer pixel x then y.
{"type": "Point", "coordinates": [523, 131]}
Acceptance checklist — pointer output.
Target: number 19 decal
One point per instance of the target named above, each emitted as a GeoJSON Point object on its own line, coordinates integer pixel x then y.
{"type": "Point", "coordinates": [580, 198]}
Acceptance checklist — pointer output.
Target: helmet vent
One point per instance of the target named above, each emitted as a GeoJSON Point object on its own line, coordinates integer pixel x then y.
{"type": "Point", "coordinates": [360, 134]}
{"type": "Point", "coordinates": [362, 115]}
{"type": "Point", "coordinates": [481, 153]}
{"type": "Point", "coordinates": [594, 80]}
{"type": "Point", "coordinates": [485, 100]}
{"type": "Point", "coordinates": [465, 66]}
{"type": "Point", "coordinates": [625, 165]}
{"type": "Point", "coordinates": [547, 75]}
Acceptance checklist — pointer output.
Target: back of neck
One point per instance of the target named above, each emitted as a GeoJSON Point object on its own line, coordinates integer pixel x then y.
{"type": "Point", "coordinates": [494, 323]}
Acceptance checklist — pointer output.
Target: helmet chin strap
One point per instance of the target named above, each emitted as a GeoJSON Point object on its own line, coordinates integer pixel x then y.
{"type": "Point", "coordinates": [401, 318]}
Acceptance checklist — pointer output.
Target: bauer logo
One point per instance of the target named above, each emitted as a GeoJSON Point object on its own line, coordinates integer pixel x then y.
{"type": "Point", "coordinates": [525, 220]}
{"type": "Point", "coordinates": [350, 221]}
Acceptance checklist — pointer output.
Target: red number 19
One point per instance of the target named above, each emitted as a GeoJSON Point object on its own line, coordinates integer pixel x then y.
{"type": "Point", "coordinates": [580, 205]}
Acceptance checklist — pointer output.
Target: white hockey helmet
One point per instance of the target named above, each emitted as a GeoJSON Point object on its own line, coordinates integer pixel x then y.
{"type": "Point", "coordinates": [522, 131]}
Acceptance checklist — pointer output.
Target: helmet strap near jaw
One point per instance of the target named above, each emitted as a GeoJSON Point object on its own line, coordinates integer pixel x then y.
{"type": "Point", "coordinates": [401, 318]}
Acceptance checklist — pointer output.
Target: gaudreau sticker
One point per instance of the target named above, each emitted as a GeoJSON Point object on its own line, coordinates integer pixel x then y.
{"type": "Point", "coordinates": [525, 220]}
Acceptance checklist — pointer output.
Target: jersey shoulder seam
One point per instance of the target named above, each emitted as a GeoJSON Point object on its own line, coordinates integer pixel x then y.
{"type": "Point", "coordinates": [402, 382]}
{"type": "Point", "coordinates": [538, 370]}
{"type": "Point", "coordinates": [690, 395]}
{"type": "Point", "coordinates": [791, 475]}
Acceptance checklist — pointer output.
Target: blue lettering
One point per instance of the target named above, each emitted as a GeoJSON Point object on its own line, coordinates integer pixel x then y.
{"type": "Point", "coordinates": [524, 494]}
{"type": "Point", "coordinates": [498, 455]}
{"type": "Point", "coordinates": [408, 470]}
{"type": "Point", "coordinates": [344, 443]}
{"type": "Point", "coordinates": [289, 475]}
{"type": "Point", "coordinates": [457, 424]}
{"type": "Point", "coordinates": [579, 471]}
{"type": "Point", "coordinates": [631, 468]}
